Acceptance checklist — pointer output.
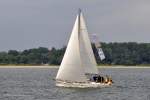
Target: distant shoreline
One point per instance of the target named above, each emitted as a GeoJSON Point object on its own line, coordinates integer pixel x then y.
{"type": "Point", "coordinates": [56, 66]}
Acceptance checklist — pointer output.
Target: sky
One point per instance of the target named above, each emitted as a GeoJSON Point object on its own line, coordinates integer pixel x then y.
{"type": "Point", "coordinates": [26, 24]}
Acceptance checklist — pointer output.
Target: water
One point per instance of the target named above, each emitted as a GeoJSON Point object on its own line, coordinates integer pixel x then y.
{"type": "Point", "coordinates": [38, 84]}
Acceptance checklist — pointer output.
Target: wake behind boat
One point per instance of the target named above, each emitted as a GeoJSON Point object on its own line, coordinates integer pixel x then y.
{"type": "Point", "coordinates": [78, 67]}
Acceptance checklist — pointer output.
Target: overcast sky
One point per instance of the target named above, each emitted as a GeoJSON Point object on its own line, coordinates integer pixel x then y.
{"type": "Point", "coordinates": [28, 24]}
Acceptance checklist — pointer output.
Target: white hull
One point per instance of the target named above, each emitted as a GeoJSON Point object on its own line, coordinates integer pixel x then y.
{"type": "Point", "coordinates": [82, 85]}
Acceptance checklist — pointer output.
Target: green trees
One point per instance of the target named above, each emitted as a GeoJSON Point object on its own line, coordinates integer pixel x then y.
{"type": "Point", "coordinates": [55, 56]}
{"type": "Point", "coordinates": [116, 54]}
{"type": "Point", "coordinates": [3, 58]}
{"type": "Point", "coordinates": [32, 56]}
{"type": "Point", "coordinates": [126, 53]}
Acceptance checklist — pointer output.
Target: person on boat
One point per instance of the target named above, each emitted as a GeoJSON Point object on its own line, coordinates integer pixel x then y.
{"type": "Point", "coordinates": [98, 78]}
{"type": "Point", "coordinates": [95, 78]}
{"type": "Point", "coordinates": [102, 79]}
{"type": "Point", "coordinates": [108, 80]}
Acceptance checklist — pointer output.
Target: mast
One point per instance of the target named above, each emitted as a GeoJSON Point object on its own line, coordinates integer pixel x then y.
{"type": "Point", "coordinates": [79, 14]}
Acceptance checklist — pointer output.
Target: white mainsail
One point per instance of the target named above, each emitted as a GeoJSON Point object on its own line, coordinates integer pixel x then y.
{"type": "Point", "coordinates": [71, 68]}
{"type": "Point", "coordinates": [78, 58]}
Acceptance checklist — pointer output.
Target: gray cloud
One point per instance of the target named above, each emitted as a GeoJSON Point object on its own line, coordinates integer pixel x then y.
{"type": "Point", "coordinates": [32, 23]}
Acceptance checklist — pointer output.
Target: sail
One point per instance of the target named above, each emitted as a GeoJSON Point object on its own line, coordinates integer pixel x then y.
{"type": "Point", "coordinates": [86, 52]}
{"type": "Point", "coordinates": [71, 68]}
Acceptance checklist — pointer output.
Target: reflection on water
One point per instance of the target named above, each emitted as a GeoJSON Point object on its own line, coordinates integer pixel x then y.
{"type": "Point", "coordinates": [38, 84]}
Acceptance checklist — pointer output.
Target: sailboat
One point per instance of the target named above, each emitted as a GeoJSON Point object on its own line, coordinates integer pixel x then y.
{"type": "Point", "coordinates": [78, 63]}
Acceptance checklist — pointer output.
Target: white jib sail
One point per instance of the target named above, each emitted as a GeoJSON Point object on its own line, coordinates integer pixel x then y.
{"type": "Point", "coordinates": [87, 55]}
{"type": "Point", "coordinates": [71, 68]}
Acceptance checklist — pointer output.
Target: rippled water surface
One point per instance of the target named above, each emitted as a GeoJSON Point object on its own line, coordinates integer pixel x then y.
{"type": "Point", "coordinates": [38, 84]}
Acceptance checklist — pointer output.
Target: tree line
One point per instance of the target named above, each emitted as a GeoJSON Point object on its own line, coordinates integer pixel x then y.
{"type": "Point", "coordinates": [116, 54]}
